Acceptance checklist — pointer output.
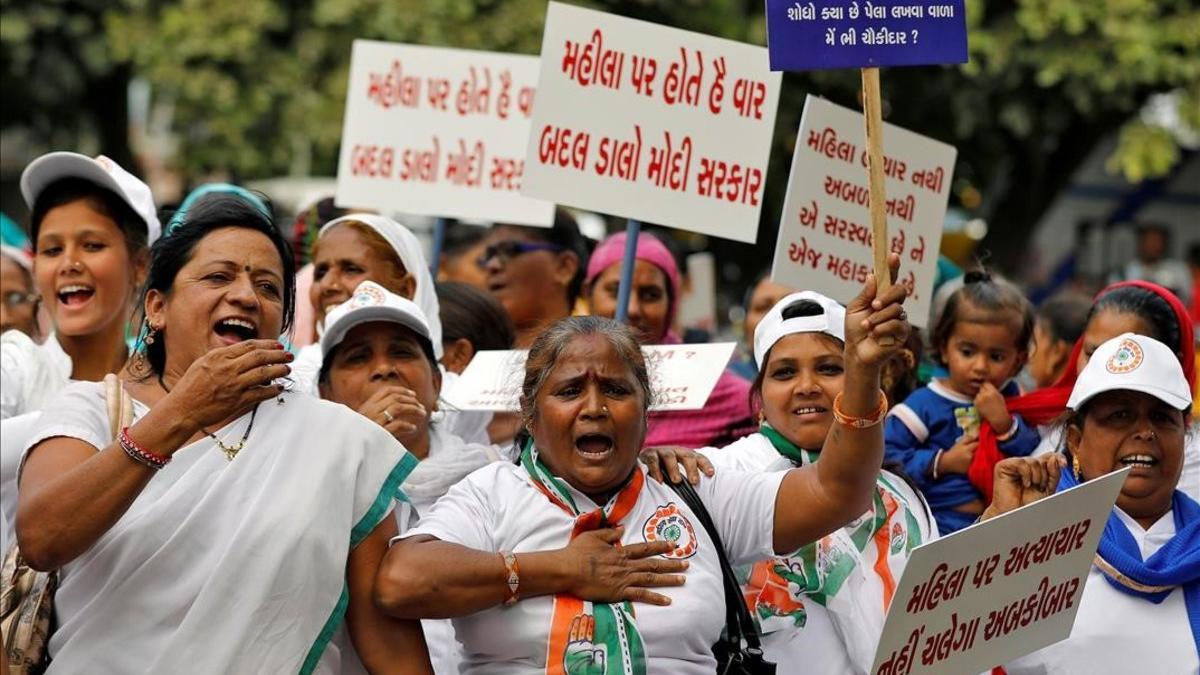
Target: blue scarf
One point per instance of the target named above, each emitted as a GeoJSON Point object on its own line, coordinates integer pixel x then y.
{"type": "Point", "coordinates": [1175, 564]}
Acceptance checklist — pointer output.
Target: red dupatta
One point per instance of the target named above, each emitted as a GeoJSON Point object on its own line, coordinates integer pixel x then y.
{"type": "Point", "coordinates": [1045, 405]}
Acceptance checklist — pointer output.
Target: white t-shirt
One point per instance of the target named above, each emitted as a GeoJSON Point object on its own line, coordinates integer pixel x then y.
{"type": "Point", "coordinates": [31, 373]}
{"type": "Point", "coordinates": [1118, 633]}
{"type": "Point", "coordinates": [838, 632]}
{"type": "Point", "coordinates": [497, 508]}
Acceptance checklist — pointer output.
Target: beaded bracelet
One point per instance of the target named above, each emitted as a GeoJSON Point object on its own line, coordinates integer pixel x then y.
{"type": "Point", "coordinates": [512, 577]}
{"type": "Point", "coordinates": [860, 422]}
{"type": "Point", "coordinates": [140, 454]}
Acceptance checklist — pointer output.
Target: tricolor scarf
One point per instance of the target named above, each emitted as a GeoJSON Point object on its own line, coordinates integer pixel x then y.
{"type": "Point", "coordinates": [589, 638]}
{"type": "Point", "coordinates": [874, 527]}
{"type": "Point", "coordinates": [1175, 564]}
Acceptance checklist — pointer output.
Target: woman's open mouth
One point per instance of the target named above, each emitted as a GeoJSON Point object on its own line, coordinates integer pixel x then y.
{"type": "Point", "coordinates": [594, 446]}
{"type": "Point", "coordinates": [75, 296]}
{"type": "Point", "coordinates": [234, 330]}
{"type": "Point", "coordinates": [810, 413]}
{"type": "Point", "coordinates": [1140, 460]}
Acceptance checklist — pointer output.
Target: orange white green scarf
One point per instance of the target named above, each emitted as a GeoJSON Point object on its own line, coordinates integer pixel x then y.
{"type": "Point", "coordinates": [589, 638]}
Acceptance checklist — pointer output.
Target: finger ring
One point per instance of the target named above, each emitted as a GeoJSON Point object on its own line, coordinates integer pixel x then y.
{"type": "Point", "coordinates": [903, 315]}
{"type": "Point", "coordinates": [388, 416]}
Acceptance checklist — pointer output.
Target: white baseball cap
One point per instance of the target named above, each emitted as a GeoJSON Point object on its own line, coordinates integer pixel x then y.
{"type": "Point", "coordinates": [773, 327]}
{"type": "Point", "coordinates": [372, 302]}
{"type": "Point", "coordinates": [1133, 363]}
{"type": "Point", "coordinates": [102, 171]}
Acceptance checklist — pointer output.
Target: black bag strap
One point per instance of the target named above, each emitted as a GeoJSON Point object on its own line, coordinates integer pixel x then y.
{"type": "Point", "coordinates": [739, 624]}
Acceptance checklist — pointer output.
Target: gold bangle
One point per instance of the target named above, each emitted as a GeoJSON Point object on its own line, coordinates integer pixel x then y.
{"type": "Point", "coordinates": [512, 577]}
{"type": "Point", "coordinates": [860, 422]}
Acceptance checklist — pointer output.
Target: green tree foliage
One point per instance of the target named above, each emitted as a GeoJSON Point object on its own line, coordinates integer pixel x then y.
{"type": "Point", "coordinates": [258, 85]}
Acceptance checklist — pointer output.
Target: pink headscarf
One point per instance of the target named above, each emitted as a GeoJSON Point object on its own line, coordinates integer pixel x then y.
{"type": "Point", "coordinates": [727, 415]}
{"type": "Point", "coordinates": [612, 250]}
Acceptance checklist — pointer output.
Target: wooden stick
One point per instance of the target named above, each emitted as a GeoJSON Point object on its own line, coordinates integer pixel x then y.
{"type": "Point", "coordinates": [878, 202]}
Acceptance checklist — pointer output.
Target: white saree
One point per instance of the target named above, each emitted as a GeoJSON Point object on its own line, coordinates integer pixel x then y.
{"type": "Point", "coordinates": [226, 566]}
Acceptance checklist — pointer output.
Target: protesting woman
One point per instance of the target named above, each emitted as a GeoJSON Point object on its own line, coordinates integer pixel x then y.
{"type": "Point", "coordinates": [379, 361]}
{"type": "Point", "coordinates": [1140, 608]}
{"type": "Point", "coordinates": [1126, 307]}
{"type": "Point", "coordinates": [653, 302]}
{"type": "Point", "coordinates": [824, 604]}
{"type": "Point", "coordinates": [539, 581]}
{"type": "Point", "coordinates": [91, 224]}
{"type": "Point", "coordinates": [217, 532]}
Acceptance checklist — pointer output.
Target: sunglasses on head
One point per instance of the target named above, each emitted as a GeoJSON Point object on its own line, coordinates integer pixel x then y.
{"type": "Point", "coordinates": [507, 250]}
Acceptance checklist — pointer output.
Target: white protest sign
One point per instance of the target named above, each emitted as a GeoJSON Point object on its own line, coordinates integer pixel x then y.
{"type": "Point", "coordinates": [651, 123]}
{"type": "Point", "coordinates": [438, 132]}
{"type": "Point", "coordinates": [825, 236]}
{"type": "Point", "coordinates": [681, 377]}
{"type": "Point", "coordinates": [997, 590]}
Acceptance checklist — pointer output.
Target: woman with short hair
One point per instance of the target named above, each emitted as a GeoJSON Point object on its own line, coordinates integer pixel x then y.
{"type": "Point", "coordinates": [555, 557]}
{"type": "Point", "coordinates": [1140, 607]}
{"type": "Point", "coordinates": [217, 532]}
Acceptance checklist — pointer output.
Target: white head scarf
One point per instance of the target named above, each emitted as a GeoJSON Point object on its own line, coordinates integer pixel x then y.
{"type": "Point", "coordinates": [408, 249]}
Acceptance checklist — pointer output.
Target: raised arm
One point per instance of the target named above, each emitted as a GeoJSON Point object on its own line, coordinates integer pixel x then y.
{"type": "Point", "coordinates": [70, 494]}
{"type": "Point", "coordinates": [815, 500]}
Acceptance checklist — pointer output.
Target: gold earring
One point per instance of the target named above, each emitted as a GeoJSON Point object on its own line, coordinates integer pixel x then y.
{"type": "Point", "coordinates": [1075, 467]}
{"type": "Point", "coordinates": [762, 417]}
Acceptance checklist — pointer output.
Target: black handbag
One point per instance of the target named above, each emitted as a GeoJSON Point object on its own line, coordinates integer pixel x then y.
{"type": "Point", "coordinates": [739, 651]}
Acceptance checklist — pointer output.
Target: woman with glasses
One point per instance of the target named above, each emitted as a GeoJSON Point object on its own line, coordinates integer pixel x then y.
{"type": "Point", "coordinates": [535, 273]}
{"type": "Point", "coordinates": [18, 301]}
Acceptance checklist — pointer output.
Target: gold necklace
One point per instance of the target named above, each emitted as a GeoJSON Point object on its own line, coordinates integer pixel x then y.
{"type": "Point", "coordinates": [230, 451]}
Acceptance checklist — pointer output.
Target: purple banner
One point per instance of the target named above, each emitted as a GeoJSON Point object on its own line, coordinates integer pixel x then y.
{"type": "Point", "coordinates": [826, 34]}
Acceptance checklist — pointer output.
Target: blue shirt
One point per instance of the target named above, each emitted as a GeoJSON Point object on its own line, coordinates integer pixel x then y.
{"type": "Point", "coordinates": [933, 418]}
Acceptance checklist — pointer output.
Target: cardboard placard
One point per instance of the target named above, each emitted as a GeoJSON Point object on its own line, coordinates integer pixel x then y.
{"type": "Point", "coordinates": [438, 132]}
{"type": "Point", "coordinates": [865, 34]}
{"type": "Point", "coordinates": [999, 589]}
{"type": "Point", "coordinates": [681, 376]}
{"type": "Point", "coordinates": [651, 123]}
{"type": "Point", "coordinates": [825, 236]}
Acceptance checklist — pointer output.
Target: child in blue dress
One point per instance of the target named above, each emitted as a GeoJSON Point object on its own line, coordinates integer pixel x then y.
{"type": "Point", "coordinates": [982, 339]}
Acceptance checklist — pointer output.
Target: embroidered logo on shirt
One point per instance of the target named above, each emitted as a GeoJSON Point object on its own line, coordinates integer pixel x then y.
{"type": "Point", "coordinates": [1127, 358]}
{"type": "Point", "coordinates": [367, 296]}
{"type": "Point", "coordinates": [668, 524]}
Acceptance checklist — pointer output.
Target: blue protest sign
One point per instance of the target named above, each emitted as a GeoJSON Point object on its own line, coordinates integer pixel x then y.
{"type": "Point", "coordinates": [825, 34]}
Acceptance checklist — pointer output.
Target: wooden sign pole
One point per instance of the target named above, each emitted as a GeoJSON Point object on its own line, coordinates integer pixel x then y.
{"type": "Point", "coordinates": [878, 191]}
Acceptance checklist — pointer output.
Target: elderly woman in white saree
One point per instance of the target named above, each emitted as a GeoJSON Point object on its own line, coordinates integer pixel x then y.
{"type": "Point", "coordinates": [231, 526]}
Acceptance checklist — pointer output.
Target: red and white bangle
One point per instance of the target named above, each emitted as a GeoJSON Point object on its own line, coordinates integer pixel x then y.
{"type": "Point", "coordinates": [1012, 431]}
{"type": "Point", "coordinates": [512, 576]}
{"type": "Point", "coordinates": [140, 454]}
{"type": "Point", "coordinates": [860, 422]}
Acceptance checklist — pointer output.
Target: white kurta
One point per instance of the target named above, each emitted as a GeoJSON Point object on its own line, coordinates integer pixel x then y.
{"type": "Point", "coordinates": [825, 614]}
{"type": "Point", "coordinates": [223, 566]}
{"type": "Point", "coordinates": [30, 373]}
{"type": "Point", "coordinates": [497, 508]}
{"type": "Point", "coordinates": [1118, 633]}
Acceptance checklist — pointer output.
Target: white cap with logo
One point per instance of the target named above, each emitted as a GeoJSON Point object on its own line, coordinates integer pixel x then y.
{"type": "Point", "coordinates": [1134, 363]}
{"type": "Point", "coordinates": [773, 327]}
{"type": "Point", "coordinates": [372, 302]}
{"type": "Point", "coordinates": [102, 171]}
